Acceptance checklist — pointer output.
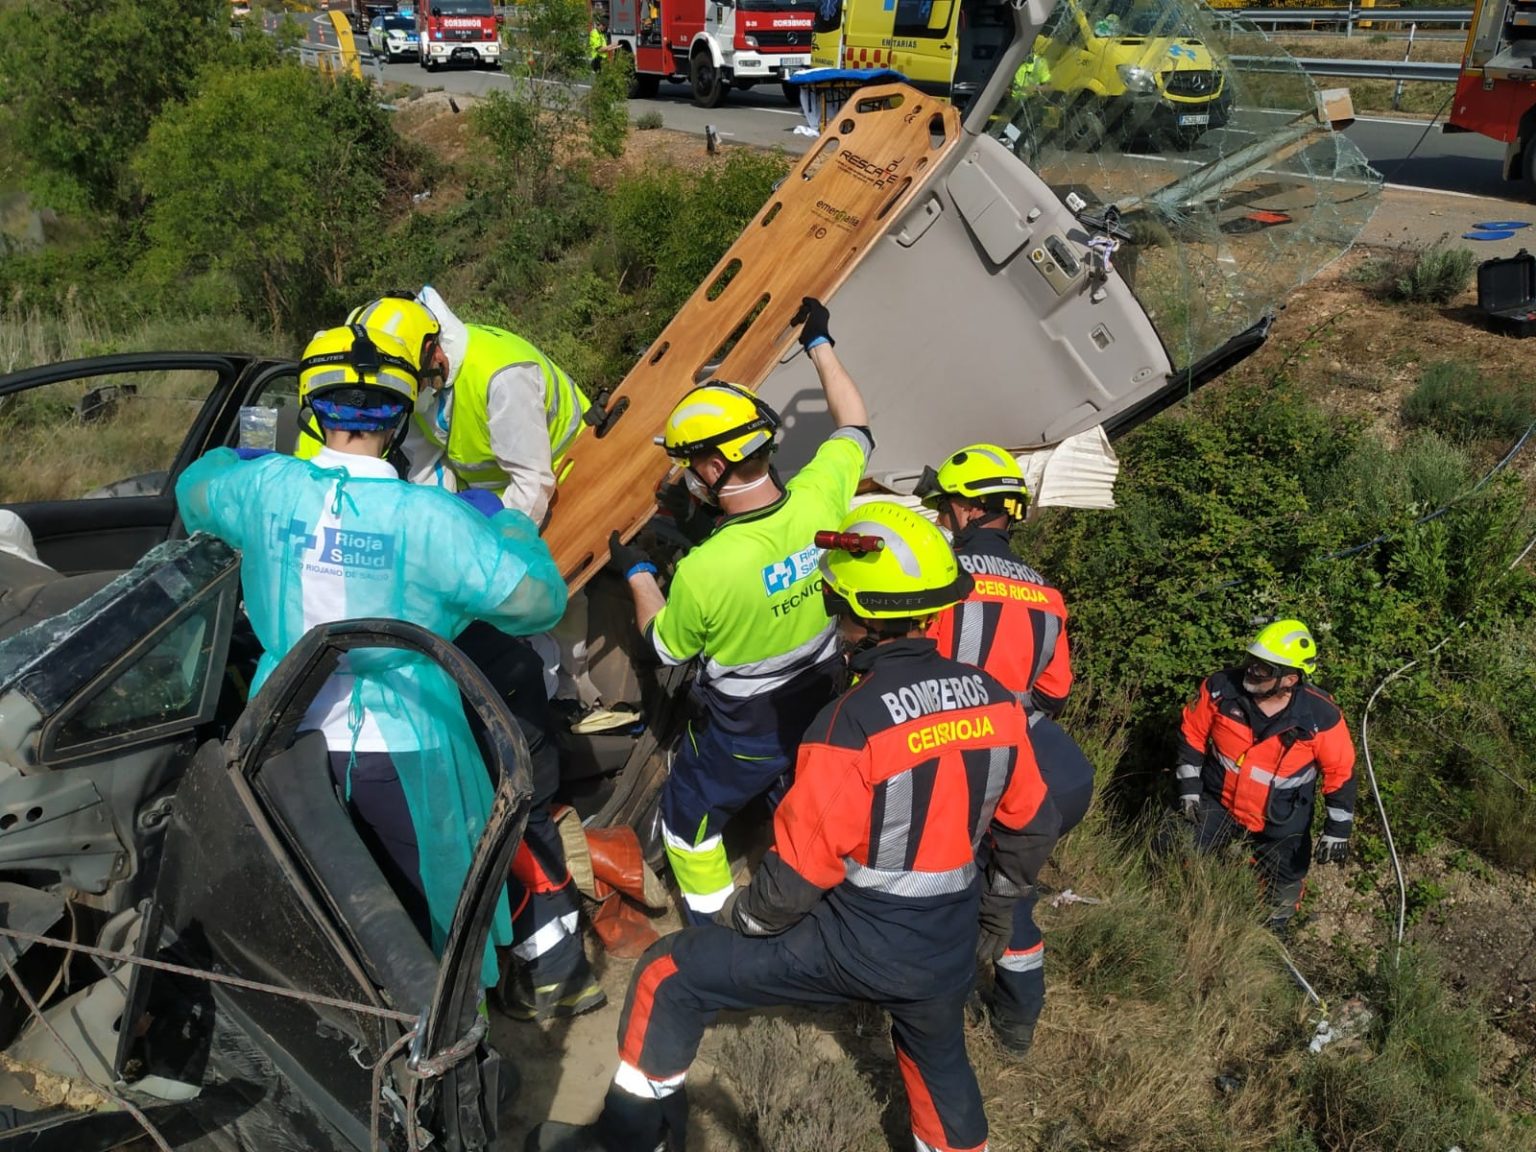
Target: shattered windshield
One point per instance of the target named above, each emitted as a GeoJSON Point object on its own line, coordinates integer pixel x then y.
{"type": "Point", "coordinates": [1160, 18]}
{"type": "Point", "coordinates": [1204, 138]}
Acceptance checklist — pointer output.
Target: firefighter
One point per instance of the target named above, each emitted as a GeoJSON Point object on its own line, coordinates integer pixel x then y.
{"type": "Point", "coordinates": [497, 398]}
{"type": "Point", "coordinates": [1255, 740]}
{"type": "Point", "coordinates": [1013, 625]}
{"type": "Point", "coordinates": [871, 891]}
{"type": "Point", "coordinates": [341, 537]}
{"type": "Point", "coordinates": [745, 604]}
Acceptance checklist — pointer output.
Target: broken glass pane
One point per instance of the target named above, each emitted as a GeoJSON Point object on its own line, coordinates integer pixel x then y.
{"type": "Point", "coordinates": [1210, 144]}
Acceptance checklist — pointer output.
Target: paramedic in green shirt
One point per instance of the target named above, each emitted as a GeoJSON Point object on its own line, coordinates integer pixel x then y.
{"type": "Point", "coordinates": [747, 604]}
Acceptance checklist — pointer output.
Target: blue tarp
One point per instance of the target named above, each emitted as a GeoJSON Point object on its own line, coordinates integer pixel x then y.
{"type": "Point", "coordinates": [843, 75]}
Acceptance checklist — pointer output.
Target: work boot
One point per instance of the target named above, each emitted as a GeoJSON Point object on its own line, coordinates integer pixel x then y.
{"type": "Point", "coordinates": [627, 1123]}
{"type": "Point", "coordinates": [1012, 1034]}
{"type": "Point", "coordinates": [578, 993]}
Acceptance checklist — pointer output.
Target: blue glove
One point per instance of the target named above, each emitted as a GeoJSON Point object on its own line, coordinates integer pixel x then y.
{"type": "Point", "coordinates": [483, 502]}
{"type": "Point", "coordinates": [252, 453]}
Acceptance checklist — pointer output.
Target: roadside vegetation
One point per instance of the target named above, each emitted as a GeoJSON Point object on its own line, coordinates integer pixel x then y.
{"type": "Point", "coordinates": [231, 199]}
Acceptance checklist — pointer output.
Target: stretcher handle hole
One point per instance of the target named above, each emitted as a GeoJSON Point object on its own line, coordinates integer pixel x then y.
{"type": "Point", "coordinates": [719, 284]}
{"type": "Point", "coordinates": [819, 158]}
{"type": "Point", "coordinates": [772, 212]}
{"type": "Point", "coordinates": [937, 133]}
{"type": "Point", "coordinates": [661, 350]}
{"type": "Point", "coordinates": [611, 417]}
{"type": "Point", "coordinates": [882, 103]}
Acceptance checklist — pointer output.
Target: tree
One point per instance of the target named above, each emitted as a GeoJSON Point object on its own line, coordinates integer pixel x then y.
{"type": "Point", "coordinates": [82, 80]}
{"type": "Point", "coordinates": [273, 177]}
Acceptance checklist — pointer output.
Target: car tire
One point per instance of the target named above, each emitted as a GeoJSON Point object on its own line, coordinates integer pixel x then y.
{"type": "Point", "coordinates": [644, 86]}
{"type": "Point", "coordinates": [708, 82]}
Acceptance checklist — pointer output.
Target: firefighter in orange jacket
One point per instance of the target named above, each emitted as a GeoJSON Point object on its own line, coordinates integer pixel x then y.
{"type": "Point", "coordinates": [1255, 741]}
{"type": "Point", "coordinates": [871, 891]}
{"type": "Point", "coordinates": [1013, 625]}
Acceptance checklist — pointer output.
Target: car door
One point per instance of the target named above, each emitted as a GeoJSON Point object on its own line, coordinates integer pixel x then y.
{"type": "Point", "coordinates": [265, 879]}
{"type": "Point", "coordinates": [94, 446]}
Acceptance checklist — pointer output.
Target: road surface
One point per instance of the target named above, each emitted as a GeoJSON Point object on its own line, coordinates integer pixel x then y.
{"type": "Point", "coordinates": [1401, 150]}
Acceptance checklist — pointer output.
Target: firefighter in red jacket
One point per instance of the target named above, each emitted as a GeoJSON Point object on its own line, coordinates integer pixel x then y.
{"type": "Point", "coordinates": [1013, 625]}
{"type": "Point", "coordinates": [1255, 741]}
{"type": "Point", "coordinates": [871, 891]}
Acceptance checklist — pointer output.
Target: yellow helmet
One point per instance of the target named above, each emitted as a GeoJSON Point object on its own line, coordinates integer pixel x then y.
{"type": "Point", "coordinates": [402, 316]}
{"type": "Point", "coordinates": [1286, 644]}
{"type": "Point", "coordinates": [718, 417]}
{"type": "Point", "coordinates": [352, 360]}
{"type": "Point", "coordinates": [888, 563]}
{"type": "Point", "coordinates": [983, 472]}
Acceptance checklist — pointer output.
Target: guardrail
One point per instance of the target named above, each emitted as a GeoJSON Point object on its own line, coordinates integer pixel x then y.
{"type": "Point", "coordinates": [1350, 16]}
{"type": "Point", "coordinates": [1353, 69]}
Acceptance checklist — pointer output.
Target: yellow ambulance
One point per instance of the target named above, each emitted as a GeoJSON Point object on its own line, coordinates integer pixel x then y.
{"type": "Point", "coordinates": [1119, 69]}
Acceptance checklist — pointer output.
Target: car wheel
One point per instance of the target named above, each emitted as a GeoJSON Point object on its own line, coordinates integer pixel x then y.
{"type": "Point", "coordinates": [709, 84]}
{"type": "Point", "coordinates": [791, 94]}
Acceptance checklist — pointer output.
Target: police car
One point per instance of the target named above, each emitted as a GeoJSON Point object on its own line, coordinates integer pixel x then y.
{"type": "Point", "coordinates": [394, 37]}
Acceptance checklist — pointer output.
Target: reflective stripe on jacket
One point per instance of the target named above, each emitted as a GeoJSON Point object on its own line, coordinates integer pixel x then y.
{"type": "Point", "coordinates": [469, 452]}
{"type": "Point", "coordinates": [896, 784]}
{"type": "Point", "coordinates": [1013, 624]}
{"type": "Point", "coordinates": [1264, 769]}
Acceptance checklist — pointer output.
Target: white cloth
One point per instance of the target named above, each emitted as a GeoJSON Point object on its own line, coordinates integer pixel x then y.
{"type": "Point", "coordinates": [515, 417]}
{"type": "Point", "coordinates": [16, 537]}
{"type": "Point", "coordinates": [325, 601]}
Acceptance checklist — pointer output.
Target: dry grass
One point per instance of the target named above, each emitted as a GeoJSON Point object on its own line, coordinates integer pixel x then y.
{"type": "Point", "coordinates": [51, 451]}
{"type": "Point", "coordinates": [1167, 985]}
{"type": "Point", "coordinates": [797, 1097]}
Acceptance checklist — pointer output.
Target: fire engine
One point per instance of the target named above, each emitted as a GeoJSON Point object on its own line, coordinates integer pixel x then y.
{"type": "Point", "coordinates": [458, 32]}
{"type": "Point", "coordinates": [713, 46]}
{"type": "Point", "coordinates": [1496, 92]}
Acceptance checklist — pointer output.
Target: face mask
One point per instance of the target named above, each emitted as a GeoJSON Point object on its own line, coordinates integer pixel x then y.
{"type": "Point", "coordinates": [697, 488]}
{"type": "Point", "coordinates": [733, 489]}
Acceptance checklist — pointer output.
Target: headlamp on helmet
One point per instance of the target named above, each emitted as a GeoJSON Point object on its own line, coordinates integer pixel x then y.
{"type": "Point", "coordinates": [357, 381]}
{"type": "Point", "coordinates": [401, 316]}
{"type": "Point", "coordinates": [890, 563]}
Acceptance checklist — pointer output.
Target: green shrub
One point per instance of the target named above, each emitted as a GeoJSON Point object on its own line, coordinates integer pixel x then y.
{"type": "Point", "coordinates": [670, 227]}
{"type": "Point", "coordinates": [1458, 398]}
{"type": "Point", "coordinates": [1435, 275]}
{"type": "Point", "coordinates": [650, 121]}
{"type": "Point", "coordinates": [1418, 1090]}
{"type": "Point", "coordinates": [275, 177]}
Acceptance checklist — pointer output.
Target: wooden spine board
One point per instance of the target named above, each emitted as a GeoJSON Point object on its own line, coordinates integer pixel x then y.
{"type": "Point", "coordinates": [851, 203]}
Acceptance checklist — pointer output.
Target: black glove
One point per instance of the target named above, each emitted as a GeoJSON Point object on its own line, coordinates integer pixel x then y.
{"type": "Point", "coordinates": [675, 500]}
{"type": "Point", "coordinates": [813, 319]}
{"type": "Point", "coordinates": [996, 926]}
{"type": "Point", "coordinates": [1331, 850]}
{"type": "Point", "coordinates": [623, 557]}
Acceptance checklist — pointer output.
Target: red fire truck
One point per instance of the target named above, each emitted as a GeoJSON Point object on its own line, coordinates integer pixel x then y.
{"type": "Point", "coordinates": [458, 32]}
{"type": "Point", "coordinates": [713, 45]}
{"type": "Point", "coordinates": [1496, 93]}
